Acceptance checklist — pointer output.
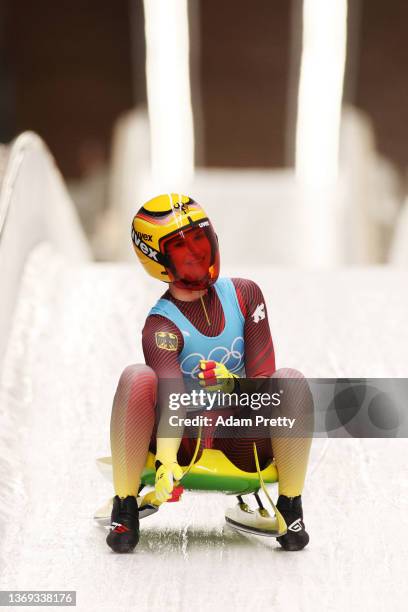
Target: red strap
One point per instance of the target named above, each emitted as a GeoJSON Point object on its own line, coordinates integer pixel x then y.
{"type": "Point", "coordinates": [176, 494]}
{"type": "Point", "coordinates": [209, 365]}
{"type": "Point", "coordinates": [208, 374]}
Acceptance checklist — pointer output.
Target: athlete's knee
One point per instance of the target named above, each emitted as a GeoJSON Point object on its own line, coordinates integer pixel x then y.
{"type": "Point", "coordinates": [296, 395]}
{"type": "Point", "coordinates": [138, 381]}
{"type": "Point", "coordinates": [288, 373]}
{"type": "Point", "coordinates": [140, 372]}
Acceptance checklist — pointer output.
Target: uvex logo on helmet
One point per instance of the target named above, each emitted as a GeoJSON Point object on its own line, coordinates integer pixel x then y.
{"type": "Point", "coordinates": [144, 248]}
{"type": "Point", "coordinates": [145, 237]}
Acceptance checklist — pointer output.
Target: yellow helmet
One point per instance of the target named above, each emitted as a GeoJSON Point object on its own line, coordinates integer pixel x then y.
{"type": "Point", "coordinates": [175, 242]}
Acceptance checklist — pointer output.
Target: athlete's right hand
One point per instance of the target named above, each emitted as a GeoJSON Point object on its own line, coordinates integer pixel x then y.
{"type": "Point", "coordinates": [166, 475]}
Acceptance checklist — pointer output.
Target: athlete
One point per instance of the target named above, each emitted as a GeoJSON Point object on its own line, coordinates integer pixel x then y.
{"type": "Point", "coordinates": [214, 330]}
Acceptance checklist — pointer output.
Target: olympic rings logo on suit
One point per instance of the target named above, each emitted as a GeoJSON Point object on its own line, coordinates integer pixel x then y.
{"type": "Point", "coordinates": [232, 358]}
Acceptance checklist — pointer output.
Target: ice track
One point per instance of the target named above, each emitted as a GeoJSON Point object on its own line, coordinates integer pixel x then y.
{"type": "Point", "coordinates": [74, 331]}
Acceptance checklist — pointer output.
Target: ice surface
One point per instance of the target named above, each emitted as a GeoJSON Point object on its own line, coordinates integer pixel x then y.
{"type": "Point", "coordinates": [74, 331]}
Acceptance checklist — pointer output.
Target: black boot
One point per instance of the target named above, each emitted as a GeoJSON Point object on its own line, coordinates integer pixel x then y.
{"type": "Point", "coordinates": [296, 537]}
{"type": "Point", "coordinates": [124, 533]}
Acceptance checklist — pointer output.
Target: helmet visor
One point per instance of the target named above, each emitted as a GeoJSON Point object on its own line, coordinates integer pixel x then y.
{"type": "Point", "coordinates": [192, 257]}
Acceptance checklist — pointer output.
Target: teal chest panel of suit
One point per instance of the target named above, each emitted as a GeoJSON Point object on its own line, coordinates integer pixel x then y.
{"type": "Point", "coordinates": [226, 348]}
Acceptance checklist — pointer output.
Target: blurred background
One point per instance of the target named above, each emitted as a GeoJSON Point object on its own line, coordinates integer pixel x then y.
{"type": "Point", "coordinates": [287, 120]}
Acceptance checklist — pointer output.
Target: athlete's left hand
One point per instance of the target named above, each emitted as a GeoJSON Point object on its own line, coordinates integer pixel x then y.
{"type": "Point", "coordinates": [214, 376]}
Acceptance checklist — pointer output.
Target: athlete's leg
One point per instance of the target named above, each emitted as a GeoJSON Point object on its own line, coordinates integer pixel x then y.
{"type": "Point", "coordinates": [292, 453]}
{"type": "Point", "coordinates": [132, 422]}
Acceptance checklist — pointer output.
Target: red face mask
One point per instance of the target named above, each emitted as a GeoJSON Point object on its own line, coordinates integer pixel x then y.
{"type": "Point", "coordinates": [193, 258]}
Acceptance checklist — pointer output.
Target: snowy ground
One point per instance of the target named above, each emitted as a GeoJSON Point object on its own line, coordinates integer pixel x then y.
{"type": "Point", "coordinates": [75, 330]}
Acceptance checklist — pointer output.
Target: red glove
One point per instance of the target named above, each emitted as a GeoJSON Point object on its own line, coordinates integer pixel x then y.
{"type": "Point", "coordinates": [216, 377]}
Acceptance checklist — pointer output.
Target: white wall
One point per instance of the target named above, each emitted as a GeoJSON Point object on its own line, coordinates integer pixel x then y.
{"type": "Point", "coordinates": [34, 207]}
{"type": "Point", "coordinates": [266, 216]}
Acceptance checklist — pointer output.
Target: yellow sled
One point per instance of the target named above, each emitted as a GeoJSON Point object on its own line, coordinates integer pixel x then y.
{"type": "Point", "coordinates": [213, 471]}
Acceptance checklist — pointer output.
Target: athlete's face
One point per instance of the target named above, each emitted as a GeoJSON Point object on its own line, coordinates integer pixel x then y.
{"type": "Point", "coordinates": [191, 255]}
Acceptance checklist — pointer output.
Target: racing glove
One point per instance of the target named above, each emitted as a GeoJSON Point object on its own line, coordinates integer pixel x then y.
{"type": "Point", "coordinates": [214, 376]}
{"type": "Point", "coordinates": [166, 476]}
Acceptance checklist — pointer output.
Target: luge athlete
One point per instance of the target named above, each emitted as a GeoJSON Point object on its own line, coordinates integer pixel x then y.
{"type": "Point", "coordinates": [203, 326]}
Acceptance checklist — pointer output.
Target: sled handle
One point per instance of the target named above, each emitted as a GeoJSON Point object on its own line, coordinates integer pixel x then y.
{"type": "Point", "coordinates": [192, 462]}
{"type": "Point", "coordinates": [282, 526]}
